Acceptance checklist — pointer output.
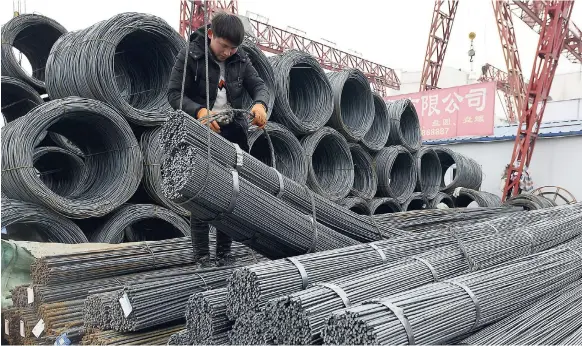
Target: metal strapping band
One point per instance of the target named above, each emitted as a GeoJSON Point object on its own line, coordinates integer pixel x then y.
{"type": "Point", "coordinates": [399, 313]}
{"type": "Point", "coordinates": [313, 221]}
{"type": "Point", "coordinates": [239, 156]}
{"type": "Point", "coordinates": [429, 266]}
{"type": "Point", "coordinates": [463, 250]}
{"type": "Point", "coordinates": [301, 268]}
{"type": "Point", "coordinates": [490, 225]}
{"type": "Point", "coordinates": [235, 192]}
{"type": "Point", "coordinates": [376, 226]}
{"type": "Point", "coordinates": [473, 298]}
{"type": "Point", "coordinates": [380, 252]}
{"type": "Point", "coordinates": [205, 284]}
{"type": "Point", "coordinates": [531, 239]}
{"type": "Point", "coordinates": [574, 251]}
{"type": "Point", "coordinates": [337, 290]}
{"type": "Point", "coordinates": [281, 185]}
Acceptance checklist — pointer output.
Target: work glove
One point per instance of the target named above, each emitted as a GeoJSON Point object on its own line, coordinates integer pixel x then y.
{"type": "Point", "coordinates": [260, 115]}
{"type": "Point", "coordinates": [213, 125]}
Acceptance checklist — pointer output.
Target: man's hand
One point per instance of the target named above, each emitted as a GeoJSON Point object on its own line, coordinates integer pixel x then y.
{"type": "Point", "coordinates": [260, 114]}
{"type": "Point", "coordinates": [213, 125]}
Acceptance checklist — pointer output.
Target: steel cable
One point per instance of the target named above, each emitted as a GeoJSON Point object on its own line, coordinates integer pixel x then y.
{"type": "Point", "coordinates": [416, 201]}
{"type": "Point", "coordinates": [353, 111]}
{"type": "Point", "coordinates": [124, 61]}
{"type": "Point", "coordinates": [468, 172]}
{"type": "Point", "coordinates": [62, 171]}
{"type": "Point", "coordinates": [404, 125]}
{"type": "Point", "coordinates": [33, 35]}
{"type": "Point", "coordinates": [530, 202]}
{"type": "Point", "coordinates": [428, 168]}
{"type": "Point", "coordinates": [304, 98]}
{"type": "Point", "coordinates": [18, 98]}
{"type": "Point", "coordinates": [356, 204]}
{"type": "Point", "coordinates": [396, 171]}
{"type": "Point", "coordinates": [464, 197]}
{"type": "Point", "coordinates": [384, 205]}
{"type": "Point", "coordinates": [377, 136]}
{"type": "Point", "coordinates": [365, 177]}
{"type": "Point", "coordinates": [441, 197]}
{"type": "Point", "coordinates": [264, 70]}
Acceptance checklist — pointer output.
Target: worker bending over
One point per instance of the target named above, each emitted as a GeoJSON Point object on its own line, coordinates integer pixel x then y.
{"type": "Point", "coordinates": [230, 75]}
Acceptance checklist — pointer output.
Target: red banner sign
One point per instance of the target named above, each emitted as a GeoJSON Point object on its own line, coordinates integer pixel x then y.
{"type": "Point", "coordinates": [466, 110]}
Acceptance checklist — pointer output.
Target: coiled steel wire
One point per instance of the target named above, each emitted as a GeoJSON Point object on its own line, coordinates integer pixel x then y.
{"type": "Point", "coordinates": [356, 204]}
{"type": "Point", "coordinates": [60, 170]}
{"type": "Point", "coordinates": [24, 220]}
{"type": "Point", "coordinates": [377, 136]}
{"type": "Point", "coordinates": [416, 201]}
{"type": "Point", "coordinates": [464, 197]}
{"type": "Point", "coordinates": [206, 319]}
{"type": "Point", "coordinates": [18, 98]}
{"type": "Point", "coordinates": [428, 168]}
{"type": "Point", "coordinates": [265, 71]}
{"type": "Point", "coordinates": [441, 197]}
{"type": "Point", "coordinates": [468, 172]}
{"type": "Point", "coordinates": [384, 205]}
{"type": "Point", "coordinates": [287, 152]}
{"type": "Point", "coordinates": [353, 106]}
{"type": "Point", "coordinates": [396, 171]}
{"type": "Point", "coordinates": [62, 142]}
{"type": "Point", "coordinates": [365, 177]}
{"type": "Point", "coordinates": [33, 35]}
{"type": "Point", "coordinates": [530, 202]}
{"type": "Point", "coordinates": [124, 61]}
{"type": "Point", "coordinates": [112, 156]}
{"type": "Point", "coordinates": [404, 125]}
{"type": "Point", "coordinates": [304, 98]}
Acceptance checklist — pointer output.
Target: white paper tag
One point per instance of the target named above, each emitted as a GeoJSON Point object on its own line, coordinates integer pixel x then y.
{"type": "Point", "coordinates": [22, 328]}
{"type": "Point", "coordinates": [30, 293]}
{"type": "Point", "coordinates": [39, 328]}
{"type": "Point", "coordinates": [6, 327]}
{"type": "Point", "coordinates": [125, 305]}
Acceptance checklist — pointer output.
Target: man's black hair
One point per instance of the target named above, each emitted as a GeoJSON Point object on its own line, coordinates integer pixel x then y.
{"type": "Point", "coordinates": [229, 27]}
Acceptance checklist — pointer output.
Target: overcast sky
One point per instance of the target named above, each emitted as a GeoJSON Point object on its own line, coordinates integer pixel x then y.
{"type": "Point", "coordinates": [392, 33]}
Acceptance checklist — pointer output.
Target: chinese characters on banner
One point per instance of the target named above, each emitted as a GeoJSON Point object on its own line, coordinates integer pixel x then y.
{"type": "Point", "coordinates": [466, 110]}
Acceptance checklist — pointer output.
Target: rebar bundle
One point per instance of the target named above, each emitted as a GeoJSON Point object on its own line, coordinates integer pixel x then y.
{"type": "Point", "coordinates": [248, 329]}
{"type": "Point", "coordinates": [365, 177]}
{"type": "Point", "coordinates": [265, 71]}
{"type": "Point", "coordinates": [468, 172]}
{"type": "Point", "coordinates": [530, 202]}
{"type": "Point", "coordinates": [206, 319]}
{"type": "Point", "coordinates": [112, 156]}
{"type": "Point", "coordinates": [60, 316]}
{"type": "Point", "coordinates": [396, 171]}
{"type": "Point", "coordinates": [61, 170]}
{"type": "Point", "coordinates": [304, 98]}
{"type": "Point", "coordinates": [97, 309]}
{"type": "Point", "coordinates": [28, 221]}
{"type": "Point", "coordinates": [464, 197]}
{"type": "Point", "coordinates": [331, 167]}
{"type": "Point", "coordinates": [180, 338]}
{"type": "Point", "coordinates": [158, 336]}
{"type": "Point", "coordinates": [353, 111]}
{"type": "Point", "coordinates": [428, 169]}
{"type": "Point", "coordinates": [280, 149]}
{"type": "Point", "coordinates": [377, 136]}
{"type": "Point", "coordinates": [404, 125]}
{"type": "Point", "coordinates": [124, 61]}
{"type": "Point", "coordinates": [441, 197]}
{"type": "Point", "coordinates": [384, 205]}
{"type": "Point", "coordinates": [33, 35]}
{"type": "Point", "coordinates": [356, 204]}
{"type": "Point", "coordinates": [416, 201]}
{"type": "Point", "coordinates": [19, 296]}
{"type": "Point", "coordinates": [18, 98]}
{"type": "Point", "coordinates": [439, 312]}
{"type": "Point", "coordinates": [573, 339]}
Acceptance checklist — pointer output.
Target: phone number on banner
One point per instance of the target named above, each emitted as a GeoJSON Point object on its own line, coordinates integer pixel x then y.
{"type": "Point", "coordinates": [433, 131]}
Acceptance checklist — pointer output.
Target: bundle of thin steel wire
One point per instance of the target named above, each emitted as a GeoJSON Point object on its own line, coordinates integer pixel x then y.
{"type": "Point", "coordinates": [248, 329]}
{"type": "Point", "coordinates": [530, 202]}
{"type": "Point", "coordinates": [439, 312]}
{"type": "Point", "coordinates": [18, 98]}
{"type": "Point", "coordinates": [304, 98]}
{"type": "Point", "coordinates": [404, 125]}
{"type": "Point", "coordinates": [428, 169]}
{"type": "Point", "coordinates": [365, 177]}
{"type": "Point", "coordinates": [265, 71]}
{"type": "Point", "coordinates": [441, 197]}
{"type": "Point", "coordinates": [181, 129]}
{"type": "Point", "coordinates": [416, 201]}
{"type": "Point", "coordinates": [573, 339]}
{"type": "Point", "coordinates": [353, 106]}
{"type": "Point", "coordinates": [547, 322]}
{"type": "Point", "coordinates": [356, 204]}
{"type": "Point", "coordinates": [61, 170]}
{"type": "Point", "coordinates": [232, 203]}
{"type": "Point", "coordinates": [112, 156]}
{"type": "Point", "coordinates": [468, 172]}
{"type": "Point", "coordinates": [397, 173]}
{"type": "Point", "coordinates": [206, 319]}
{"type": "Point", "coordinates": [464, 197]}
{"type": "Point", "coordinates": [125, 216]}
{"type": "Point", "coordinates": [33, 35]}
{"type": "Point", "coordinates": [180, 338]}
{"type": "Point", "coordinates": [331, 167]}
{"type": "Point", "coordinates": [287, 156]}
{"type": "Point", "coordinates": [384, 205]}
{"type": "Point", "coordinates": [28, 221]}
{"type": "Point", "coordinates": [377, 136]}
{"type": "Point", "coordinates": [125, 61]}
{"type": "Point", "coordinates": [158, 336]}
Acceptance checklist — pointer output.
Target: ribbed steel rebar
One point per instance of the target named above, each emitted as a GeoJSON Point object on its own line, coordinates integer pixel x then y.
{"type": "Point", "coordinates": [125, 61]}
{"type": "Point", "coordinates": [356, 204]}
{"type": "Point", "coordinates": [180, 338]}
{"type": "Point", "coordinates": [441, 197]}
{"type": "Point", "coordinates": [206, 319]}
{"type": "Point", "coordinates": [464, 197]}
{"type": "Point", "coordinates": [19, 296]}
{"type": "Point", "coordinates": [60, 316]}
{"type": "Point", "coordinates": [304, 99]}
{"type": "Point", "coordinates": [428, 169]}
{"type": "Point", "coordinates": [377, 136]}
{"type": "Point", "coordinates": [265, 71]}
{"type": "Point", "coordinates": [530, 202]}
{"type": "Point", "coordinates": [404, 125]}
{"type": "Point", "coordinates": [416, 201]}
{"type": "Point", "coordinates": [248, 329]}
{"type": "Point", "coordinates": [353, 106]}
{"type": "Point", "coordinates": [396, 171]}
{"type": "Point", "coordinates": [468, 172]}
{"type": "Point", "coordinates": [18, 98]}
{"type": "Point", "coordinates": [573, 339]}
{"type": "Point", "coordinates": [112, 156]}
{"type": "Point", "coordinates": [384, 205]}
{"type": "Point", "coordinates": [365, 176]}
{"type": "Point", "coordinates": [33, 35]}
{"type": "Point", "coordinates": [157, 336]}
{"type": "Point", "coordinates": [61, 170]}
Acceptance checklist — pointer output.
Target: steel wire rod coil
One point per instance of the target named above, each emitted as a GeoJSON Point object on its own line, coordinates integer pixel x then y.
{"type": "Point", "coordinates": [331, 167]}
{"type": "Point", "coordinates": [33, 35]}
{"type": "Point", "coordinates": [265, 71]}
{"type": "Point", "coordinates": [384, 205]}
{"type": "Point", "coordinates": [356, 204]}
{"type": "Point", "coordinates": [125, 216]}
{"type": "Point", "coordinates": [396, 171]}
{"type": "Point", "coordinates": [206, 319]}
{"type": "Point", "coordinates": [26, 218]}
{"type": "Point", "coordinates": [377, 136]}
{"type": "Point", "coordinates": [404, 125]}
{"type": "Point", "coordinates": [18, 98]}
{"type": "Point", "coordinates": [124, 61]}
{"type": "Point", "coordinates": [530, 202]}
{"type": "Point", "coordinates": [441, 197]}
{"type": "Point", "coordinates": [60, 170]}
{"type": "Point", "coordinates": [463, 197]}
{"type": "Point", "coordinates": [304, 98]}
{"type": "Point", "coordinates": [62, 142]}
{"type": "Point", "coordinates": [353, 111]}
{"type": "Point", "coordinates": [365, 177]}
{"type": "Point", "coordinates": [416, 201]}
{"type": "Point", "coordinates": [428, 168]}
{"type": "Point", "coordinates": [112, 156]}
{"type": "Point", "coordinates": [288, 154]}
{"type": "Point", "coordinates": [468, 172]}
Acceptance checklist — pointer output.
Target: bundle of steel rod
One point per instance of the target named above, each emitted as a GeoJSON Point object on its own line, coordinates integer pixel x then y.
{"type": "Point", "coordinates": [180, 338]}
{"type": "Point", "coordinates": [396, 171]}
{"type": "Point", "coordinates": [248, 329]}
{"type": "Point", "coordinates": [416, 201]}
{"type": "Point", "coordinates": [97, 309]}
{"type": "Point", "coordinates": [14, 330]}
{"type": "Point", "coordinates": [365, 177]}
{"type": "Point", "coordinates": [468, 172]}
{"type": "Point", "coordinates": [377, 136]}
{"type": "Point", "coordinates": [18, 98]}
{"type": "Point", "coordinates": [404, 125]}
{"type": "Point", "coordinates": [573, 339]}
{"type": "Point", "coordinates": [265, 71]}
{"type": "Point", "coordinates": [428, 169]}
{"type": "Point", "coordinates": [530, 202]}
{"type": "Point", "coordinates": [457, 306]}
{"type": "Point", "coordinates": [356, 204]}
{"type": "Point", "coordinates": [547, 322]}
{"type": "Point", "coordinates": [464, 197]}
{"type": "Point", "coordinates": [441, 197]}
{"type": "Point", "coordinates": [206, 318]}
{"type": "Point", "coordinates": [384, 205]}
{"type": "Point", "coordinates": [61, 170]}
{"type": "Point", "coordinates": [19, 296]}
{"type": "Point", "coordinates": [60, 316]}
{"type": "Point", "coordinates": [278, 231]}
{"type": "Point", "coordinates": [157, 336]}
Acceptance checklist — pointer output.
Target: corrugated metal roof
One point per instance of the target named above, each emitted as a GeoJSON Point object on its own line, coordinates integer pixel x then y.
{"type": "Point", "coordinates": [507, 133]}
